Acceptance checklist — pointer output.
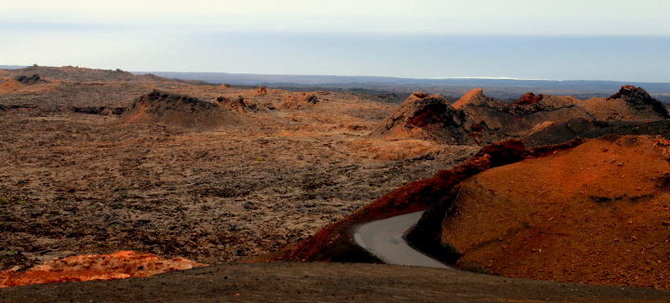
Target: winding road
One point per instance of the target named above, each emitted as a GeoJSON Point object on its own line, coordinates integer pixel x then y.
{"type": "Point", "coordinates": [385, 240]}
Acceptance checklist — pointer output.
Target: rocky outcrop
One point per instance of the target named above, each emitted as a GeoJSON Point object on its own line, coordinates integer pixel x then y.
{"type": "Point", "coordinates": [30, 80]}
{"type": "Point", "coordinates": [629, 104]}
{"type": "Point", "coordinates": [605, 224]}
{"type": "Point", "coordinates": [178, 110]}
{"type": "Point", "coordinates": [262, 91]}
{"type": "Point", "coordinates": [299, 101]}
{"type": "Point", "coordinates": [478, 119]}
{"type": "Point", "coordinates": [4, 108]}
{"type": "Point", "coordinates": [424, 116]}
{"type": "Point", "coordinates": [640, 99]}
{"type": "Point", "coordinates": [98, 110]}
{"type": "Point", "coordinates": [474, 118]}
{"type": "Point", "coordinates": [528, 99]}
{"type": "Point", "coordinates": [238, 104]}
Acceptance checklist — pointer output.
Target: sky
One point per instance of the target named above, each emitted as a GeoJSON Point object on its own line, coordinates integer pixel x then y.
{"type": "Point", "coordinates": [529, 39]}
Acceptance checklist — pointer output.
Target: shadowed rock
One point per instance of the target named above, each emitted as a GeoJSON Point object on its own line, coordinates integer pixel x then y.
{"type": "Point", "coordinates": [424, 116]}
{"type": "Point", "coordinates": [639, 98]}
{"type": "Point", "coordinates": [30, 80]}
{"type": "Point", "coordinates": [99, 110]}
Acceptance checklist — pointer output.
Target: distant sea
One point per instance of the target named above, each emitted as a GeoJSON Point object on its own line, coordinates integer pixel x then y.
{"type": "Point", "coordinates": [620, 58]}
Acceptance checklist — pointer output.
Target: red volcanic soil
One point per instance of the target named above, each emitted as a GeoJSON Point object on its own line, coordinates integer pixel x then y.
{"type": "Point", "coordinates": [598, 213]}
{"type": "Point", "coordinates": [334, 242]}
{"type": "Point", "coordinates": [119, 265]}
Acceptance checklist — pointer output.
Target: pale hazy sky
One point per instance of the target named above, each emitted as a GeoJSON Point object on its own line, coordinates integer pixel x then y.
{"type": "Point", "coordinates": [414, 38]}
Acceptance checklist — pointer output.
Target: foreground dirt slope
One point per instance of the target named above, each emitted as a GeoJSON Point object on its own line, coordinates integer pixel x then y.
{"type": "Point", "coordinates": [326, 282]}
{"type": "Point", "coordinates": [597, 213]}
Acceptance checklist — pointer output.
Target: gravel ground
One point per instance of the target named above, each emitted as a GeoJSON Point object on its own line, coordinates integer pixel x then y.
{"type": "Point", "coordinates": [326, 282]}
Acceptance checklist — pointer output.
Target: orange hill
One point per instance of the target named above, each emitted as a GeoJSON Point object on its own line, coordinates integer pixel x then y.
{"type": "Point", "coordinates": [598, 213]}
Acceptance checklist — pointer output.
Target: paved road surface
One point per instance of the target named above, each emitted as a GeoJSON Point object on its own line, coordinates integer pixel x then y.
{"type": "Point", "coordinates": [384, 239]}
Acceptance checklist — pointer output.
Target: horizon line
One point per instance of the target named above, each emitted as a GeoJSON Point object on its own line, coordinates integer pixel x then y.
{"type": "Point", "coordinates": [13, 66]}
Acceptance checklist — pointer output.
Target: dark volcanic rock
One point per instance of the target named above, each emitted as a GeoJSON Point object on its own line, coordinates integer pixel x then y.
{"type": "Point", "coordinates": [15, 107]}
{"type": "Point", "coordinates": [424, 116]}
{"type": "Point", "coordinates": [584, 128]}
{"type": "Point", "coordinates": [99, 110]}
{"type": "Point", "coordinates": [29, 80]}
{"type": "Point", "coordinates": [639, 98]}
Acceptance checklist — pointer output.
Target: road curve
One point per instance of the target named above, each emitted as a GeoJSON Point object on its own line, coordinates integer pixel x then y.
{"type": "Point", "coordinates": [385, 240]}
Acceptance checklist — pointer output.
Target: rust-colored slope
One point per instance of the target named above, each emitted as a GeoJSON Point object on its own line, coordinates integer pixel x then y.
{"type": "Point", "coordinates": [598, 213]}
{"type": "Point", "coordinates": [119, 265]}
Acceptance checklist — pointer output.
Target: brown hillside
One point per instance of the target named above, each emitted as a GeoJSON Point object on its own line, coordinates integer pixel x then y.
{"type": "Point", "coordinates": [178, 110]}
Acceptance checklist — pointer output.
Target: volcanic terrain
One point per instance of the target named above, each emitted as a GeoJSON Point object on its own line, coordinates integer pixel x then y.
{"type": "Point", "coordinates": [95, 161]}
{"type": "Point", "coordinates": [110, 170]}
{"type": "Point", "coordinates": [477, 119]}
